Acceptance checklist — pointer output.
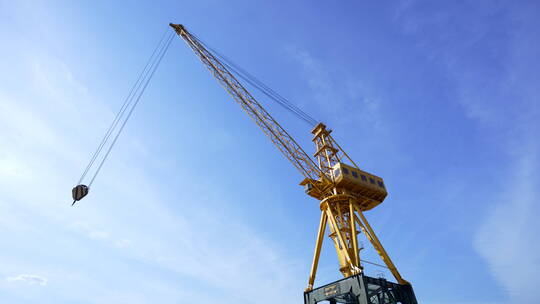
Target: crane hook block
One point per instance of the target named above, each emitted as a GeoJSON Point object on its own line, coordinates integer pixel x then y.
{"type": "Point", "coordinates": [78, 192]}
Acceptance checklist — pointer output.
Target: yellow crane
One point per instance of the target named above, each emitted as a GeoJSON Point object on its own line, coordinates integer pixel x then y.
{"type": "Point", "coordinates": [343, 190]}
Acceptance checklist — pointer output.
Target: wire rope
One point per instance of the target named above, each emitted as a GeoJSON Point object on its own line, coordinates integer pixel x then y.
{"type": "Point", "coordinates": [261, 86]}
{"type": "Point", "coordinates": [121, 112]}
{"type": "Point", "coordinates": [149, 75]}
{"type": "Point", "coordinates": [132, 99]}
{"type": "Point", "coordinates": [126, 110]}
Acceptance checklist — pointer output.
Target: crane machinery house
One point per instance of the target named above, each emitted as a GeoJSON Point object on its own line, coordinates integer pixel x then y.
{"type": "Point", "coordinates": [361, 183]}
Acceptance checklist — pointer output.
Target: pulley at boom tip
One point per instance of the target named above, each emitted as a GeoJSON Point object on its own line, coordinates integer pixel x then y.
{"type": "Point", "coordinates": [177, 27]}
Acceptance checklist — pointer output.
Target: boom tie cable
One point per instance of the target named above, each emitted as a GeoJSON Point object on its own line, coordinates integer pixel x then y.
{"type": "Point", "coordinates": [137, 91]}
{"type": "Point", "coordinates": [259, 85]}
{"type": "Point", "coordinates": [130, 102]}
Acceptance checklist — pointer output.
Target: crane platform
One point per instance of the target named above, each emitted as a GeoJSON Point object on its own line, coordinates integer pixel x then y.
{"type": "Point", "coordinates": [362, 289]}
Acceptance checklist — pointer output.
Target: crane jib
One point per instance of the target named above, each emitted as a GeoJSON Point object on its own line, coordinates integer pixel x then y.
{"type": "Point", "coordinates": [344, 191]}
{"type": "Point", "coordinates": [283, 141]}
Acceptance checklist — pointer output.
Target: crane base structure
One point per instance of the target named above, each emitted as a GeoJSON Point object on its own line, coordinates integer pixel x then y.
{"type": "Point", "coordinates": [361, 289]}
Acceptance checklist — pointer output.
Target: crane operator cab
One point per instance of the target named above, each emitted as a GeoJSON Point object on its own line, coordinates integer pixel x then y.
{"type": "Point", "coordinates": [368, 187]}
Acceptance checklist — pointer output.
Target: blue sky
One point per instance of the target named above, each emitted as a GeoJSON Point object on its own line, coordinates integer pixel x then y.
{"type": "Point", "coordinates": [438, 98]}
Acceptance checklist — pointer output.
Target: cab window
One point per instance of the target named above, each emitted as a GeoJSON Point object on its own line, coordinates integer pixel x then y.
{"type": "Point", "coordinates": [381, 184]}
{"type": "Point", "coordinates": [371, 180]}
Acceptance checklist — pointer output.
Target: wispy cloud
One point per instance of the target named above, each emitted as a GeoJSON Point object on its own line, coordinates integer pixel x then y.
{"type": "Point", "coordinates": [507, 238]}
{"type": "Point", "coordinates": [318, 76]}
{"type": "Point", "coordinates": [30, 279]}
{"type": "Point", "coordinates": [344, 96]}
{"type": "Point", "coordinates": [90, 232]}
{"type": "Point", "coordinates": [123, 243]}
{"type": "Point", "coordinates": [495, 89]}
{"type": "Point", "coordinates": [188, 247]}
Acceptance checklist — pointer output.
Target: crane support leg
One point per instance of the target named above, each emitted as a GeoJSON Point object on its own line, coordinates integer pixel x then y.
{"type": "Point", "coordinates": [352, 224]}
{"type": "Point", "coordinates": [370, 234]}
{"type": "Point", "coordinates": [346, 266]}
{"type": "Point", "coordinates": [317, 253]}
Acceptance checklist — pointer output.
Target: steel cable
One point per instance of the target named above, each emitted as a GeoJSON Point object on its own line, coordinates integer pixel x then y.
{"type": "Point", "coordinates": [125, 112]}
{"type": "Point", "coordinates": [121, 112]}
{"type": "Point", "coordinates": [149, 75]}
{"type": "Point", "coordinates": [259, 85]}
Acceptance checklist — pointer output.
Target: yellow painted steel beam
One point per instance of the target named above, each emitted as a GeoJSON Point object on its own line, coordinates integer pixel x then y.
{"type": "Point", "coordinates": [317, 253]}
{"type": "Point", "coordinates": [340, 244]}
{"type": "Point", "coordinates": [372, 237]}
{"type": "Point", "coordinates": [319, 174]}
{"type": "Point", "coordinates": [277, 134]}
{"type": "Point", "coordinates": [352, 223]}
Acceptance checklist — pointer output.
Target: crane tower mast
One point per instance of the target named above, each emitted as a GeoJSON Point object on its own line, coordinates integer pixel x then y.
{"type": "Point", "coordinates": [344, 191]}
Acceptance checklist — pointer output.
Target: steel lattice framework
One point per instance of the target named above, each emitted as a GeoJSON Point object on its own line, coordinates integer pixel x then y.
{"type": "Point", "coordinates": [341, 208]}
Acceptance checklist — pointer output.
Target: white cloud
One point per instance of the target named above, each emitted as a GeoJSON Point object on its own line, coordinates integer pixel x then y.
{"type": "Point", "coordinates": [508, 237]}
{"type": "Point", "coordinates": [123, 243]}
{"type": "Point", "coordinates": [12, 167]}
{"type": "Point", "coordinates": [346, 98]}
{"type": "Point", "coordinates": [190, 247]}
{"type": "Point", "coordinates": [90, 232]}
{"type": "Point", "coordinates": [317, 75]}
{"type": "Point", "coordinates": [30, 279]}
{"type": "Point", "coordinates": [497, 90]}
